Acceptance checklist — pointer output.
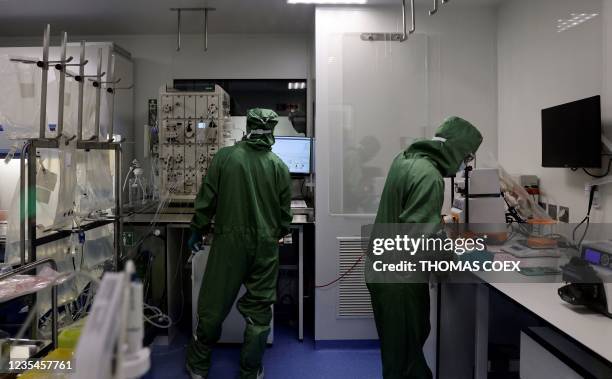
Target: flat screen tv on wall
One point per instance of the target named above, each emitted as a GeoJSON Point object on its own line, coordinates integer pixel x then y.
{"type": "Point", "coordinates": [571, 134]}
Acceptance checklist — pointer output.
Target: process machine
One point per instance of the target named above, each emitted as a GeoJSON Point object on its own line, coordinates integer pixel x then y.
{"type": "Point", "coordinates": [194, 125]}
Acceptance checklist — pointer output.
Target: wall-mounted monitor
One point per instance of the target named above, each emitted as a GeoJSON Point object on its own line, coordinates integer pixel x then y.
{"type": "Point", "coordinates": [296, 152]}
{"type": "Point", "coordinates": [571, 134]}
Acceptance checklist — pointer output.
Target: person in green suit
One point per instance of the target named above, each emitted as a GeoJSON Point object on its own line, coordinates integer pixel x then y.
{"type": "Point", "coordinates": [247, 190]}
{"type": "Point", "coordinates": [414, 193]}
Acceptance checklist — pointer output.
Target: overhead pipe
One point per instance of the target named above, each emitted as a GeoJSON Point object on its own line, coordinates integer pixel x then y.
{"type": "Point", "coordinates": [205, 29]}
{"type": "Point", "coordinates": [399, 37]}
{"type": "Point", "coordinates": [179, 11]}
{"type": "Point", "coordinates": [412, 17]}
{"type": "Point", "coordinates": [435, 8]}
{"type": "Point", "coordinates": [178, 34]}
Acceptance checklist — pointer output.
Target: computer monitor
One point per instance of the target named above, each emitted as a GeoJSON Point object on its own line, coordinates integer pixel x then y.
{"type": "Point", "coordinates": [295, 152]}
{"type": "Point", "coordinates": [571, 134]}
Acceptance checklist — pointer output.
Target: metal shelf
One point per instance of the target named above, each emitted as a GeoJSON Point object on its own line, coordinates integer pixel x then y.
{"type": "Point", "coordinates": [61, 234]}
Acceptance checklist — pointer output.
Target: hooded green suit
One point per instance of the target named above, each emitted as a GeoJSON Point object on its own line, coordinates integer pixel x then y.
{"type": "Point", "coordinates": [247, 189]}
{"type": "Point", "coordinates": [414, 193]}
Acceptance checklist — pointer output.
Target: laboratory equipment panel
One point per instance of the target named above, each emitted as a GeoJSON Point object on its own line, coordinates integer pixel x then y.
{"type": "Point", "coordinates": [192, 130]}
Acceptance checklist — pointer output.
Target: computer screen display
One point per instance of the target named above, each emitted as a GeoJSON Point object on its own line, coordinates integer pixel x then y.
{"type": "Point", "coordinates": [295, 152]}
{"type": "Point", "coordinates": [571, 134]}
{"type": "Point", "coordinates": [592, 256]}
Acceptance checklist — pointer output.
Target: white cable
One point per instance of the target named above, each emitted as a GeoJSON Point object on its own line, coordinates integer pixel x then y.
{"type": "Point", "coordinates": [158, 315]}
{"type": "Point", "coordinates": [127, 176]}
{"type": "Point", "coordinates": [60, 278]}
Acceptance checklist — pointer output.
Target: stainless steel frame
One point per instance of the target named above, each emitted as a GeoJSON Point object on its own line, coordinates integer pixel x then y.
{"type": "Point", "coordinates": [436, 7]}
{"type": "Point", "coordinates": [399, 37]}
{"type": "Point", "coordinates": [28, 168]}
{"type": "Point", "coordinates": [179, 22]}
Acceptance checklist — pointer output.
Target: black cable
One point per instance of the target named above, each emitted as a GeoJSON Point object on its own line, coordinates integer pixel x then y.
{"type": "Point", "coordinates": [302, 188]}
{"type": "Point", "coordinates": [586, 219]}
{"type": "Point", "coordinates": [512, 212]}
{"type": "Point", "coordinates": [600, 176]}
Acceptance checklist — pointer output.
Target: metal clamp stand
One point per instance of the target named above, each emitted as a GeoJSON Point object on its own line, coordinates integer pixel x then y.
{"type": "Point", "coordinates": [28, 169]}
{"type": "Point", "coordinates": [111, 88]}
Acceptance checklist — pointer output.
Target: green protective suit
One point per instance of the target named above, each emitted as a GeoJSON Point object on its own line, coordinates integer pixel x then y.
{"type": "Point", "coordinates": [414, 193]}
{"type": "Point", "coordinates": [247, 190]}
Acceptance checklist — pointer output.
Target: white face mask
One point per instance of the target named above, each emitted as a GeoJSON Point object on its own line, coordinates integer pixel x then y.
{"type": "Point", "coordinates": [465, 162]}
{"type": "Point", "coordinates": [462, 167]}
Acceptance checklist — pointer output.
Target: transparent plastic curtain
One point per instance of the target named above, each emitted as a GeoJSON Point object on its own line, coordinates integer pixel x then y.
{"type": "Point", "coordinates": [71, 184]}
{"type": "Point", "coordinates": [95, 182]}
{"type": "Point", "coordinates": [71, 102]}
{"type": "Point", "coordinates": [71, 256]}
{"type": "Point", "coordinates": [379, 101]}
{"type": "Point", "coordinates": [20, 94]}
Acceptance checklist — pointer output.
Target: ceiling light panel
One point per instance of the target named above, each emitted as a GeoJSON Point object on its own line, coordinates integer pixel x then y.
{"type": "Point", "coordinates": [575, 20]}
{"type": "Point", "coordinates": [327, 2]}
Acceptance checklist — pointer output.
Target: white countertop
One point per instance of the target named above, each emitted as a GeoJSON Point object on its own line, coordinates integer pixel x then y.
{"type": "Point", "coordinates": [591, 329]}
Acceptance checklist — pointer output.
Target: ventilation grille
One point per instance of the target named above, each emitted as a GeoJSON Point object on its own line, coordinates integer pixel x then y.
{"type": "Point", "coordinates": [354, 298]}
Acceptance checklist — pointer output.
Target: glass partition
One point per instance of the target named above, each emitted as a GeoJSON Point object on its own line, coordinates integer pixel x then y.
{"type": "Point", "coordinates": [378, 95]}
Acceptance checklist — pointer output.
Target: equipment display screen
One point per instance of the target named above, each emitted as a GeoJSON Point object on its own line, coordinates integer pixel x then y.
{"type": "Point", "coordinates": [571, 134]}
{"type": "Point", "coordinates": [295, 152]}
{"type": "Point", "coordinates": [592, 256]}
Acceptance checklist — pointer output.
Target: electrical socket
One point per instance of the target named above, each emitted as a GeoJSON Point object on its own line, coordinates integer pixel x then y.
{"type": "Point", "coordinates": [596, 196]}
{"type": "Point", "coordinates": [564, 214]}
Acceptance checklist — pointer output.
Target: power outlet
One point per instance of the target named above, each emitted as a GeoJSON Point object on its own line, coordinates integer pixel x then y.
{"type": "Point", "coordinates": [596, 196]}
{"type": "Point", "coordinates": [564, 214]}
{"type": "Point", "coordinates": [128, 239]}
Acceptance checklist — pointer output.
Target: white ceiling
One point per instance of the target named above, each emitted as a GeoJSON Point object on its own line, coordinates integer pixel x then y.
{"type": "Point", "coordinates": [89, 17]}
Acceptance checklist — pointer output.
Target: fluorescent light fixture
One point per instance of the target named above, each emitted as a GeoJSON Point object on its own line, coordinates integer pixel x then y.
{"type": "Point", "coordinates": [296, 85]}
{"type": "Point", "coordinates": [575, 20]}
{"type": "Point", "coordinates": [327, 2]}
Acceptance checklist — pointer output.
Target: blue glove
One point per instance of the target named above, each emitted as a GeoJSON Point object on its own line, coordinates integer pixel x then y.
{"type": "Point", "coordinates": [195, 241]}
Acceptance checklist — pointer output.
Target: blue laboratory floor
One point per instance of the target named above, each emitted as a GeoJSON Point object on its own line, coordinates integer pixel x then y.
{"type": "Point", "coordinates": [287, 358]}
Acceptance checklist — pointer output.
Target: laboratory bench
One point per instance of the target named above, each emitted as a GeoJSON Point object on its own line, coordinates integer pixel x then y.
{"type": "Point", "coordinates": [523, 309]}
{"type": "Point", "coordinates": [164, 235]}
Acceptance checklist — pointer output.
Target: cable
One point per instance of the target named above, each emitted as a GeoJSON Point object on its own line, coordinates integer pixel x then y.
{"type": "Point", "coordinates": [127, 176]}
{"type": "Point", "coordinates": [33, 309]}
{"type": "Point", "coordinates": [302, 188]}
{"type": "Point", "coordinates": [158, 315]}
{"type": "Point", "coordinates": [600, 176]}
{"type": "Point", "coordinates": [586, 219]}
{"type": "Point", "coordinates": [343, 275]}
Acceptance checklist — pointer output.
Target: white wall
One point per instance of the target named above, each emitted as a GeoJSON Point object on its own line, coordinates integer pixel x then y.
{"type": "Point", "coordinates": [540, 68]}
{"type": "Point", "coordinates": [229, 56]}
{"type": "Point", "coordinates": [607, 67]}
{"type": "Point", "coordinates": [463, 82]}
{"type": "Point", "coordinates": [123, 120]}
